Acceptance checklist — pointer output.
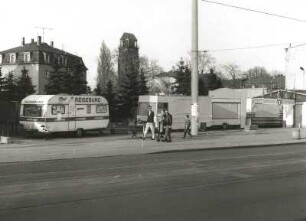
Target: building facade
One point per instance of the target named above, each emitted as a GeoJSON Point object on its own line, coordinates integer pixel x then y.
{"type": "Point", "coordinates": [128, 59]}
{"type": "Point", "coordinates": [295, 67]}
{"type": "Point", "coordinates": [39, 59]}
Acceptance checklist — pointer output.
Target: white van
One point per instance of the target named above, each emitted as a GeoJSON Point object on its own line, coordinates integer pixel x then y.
{"type": "Point", "coordinates": [61, 113]}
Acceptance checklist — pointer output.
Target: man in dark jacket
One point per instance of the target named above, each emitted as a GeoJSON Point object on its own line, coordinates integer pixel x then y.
{"type": "Point", "coordinates": [149, 124]}
{"type": "Point", "coordinates": [167, 126]}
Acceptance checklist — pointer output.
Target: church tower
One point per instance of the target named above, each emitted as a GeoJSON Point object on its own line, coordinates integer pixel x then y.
{"type": "Point", "coordinates": [128, 60]}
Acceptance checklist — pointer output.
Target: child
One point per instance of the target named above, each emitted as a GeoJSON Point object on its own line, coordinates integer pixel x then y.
{"type": "Point", "coordinates": [187, 126]}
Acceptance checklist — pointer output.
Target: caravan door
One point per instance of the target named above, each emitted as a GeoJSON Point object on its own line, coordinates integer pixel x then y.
{"type": "Point", "coordinates": [71, 116]}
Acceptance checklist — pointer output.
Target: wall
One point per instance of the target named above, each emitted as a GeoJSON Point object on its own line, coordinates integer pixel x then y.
{"type": "Point", "coordinates": [288, 114]}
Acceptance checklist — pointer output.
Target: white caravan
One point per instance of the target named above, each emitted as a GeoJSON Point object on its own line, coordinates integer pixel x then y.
{"type": "Point", "coordinates": [223, 112]}
{"type": "Point", "coordinates": [60, 113]}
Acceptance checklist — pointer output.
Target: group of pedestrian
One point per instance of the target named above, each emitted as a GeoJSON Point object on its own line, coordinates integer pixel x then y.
{"type": "Point", "coordinates": [164, 126]}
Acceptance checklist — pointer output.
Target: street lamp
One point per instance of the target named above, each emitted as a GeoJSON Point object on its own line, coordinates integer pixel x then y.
{"type": "Point", "coordinates": [302, 69]}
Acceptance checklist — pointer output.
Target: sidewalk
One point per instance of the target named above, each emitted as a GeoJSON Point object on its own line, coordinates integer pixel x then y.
{"type": "Point", "coordinates": [65, 148]}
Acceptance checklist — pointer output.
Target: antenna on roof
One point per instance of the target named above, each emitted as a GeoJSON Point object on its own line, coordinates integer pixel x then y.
{"type": "Point", "coordinates": [43, 31]}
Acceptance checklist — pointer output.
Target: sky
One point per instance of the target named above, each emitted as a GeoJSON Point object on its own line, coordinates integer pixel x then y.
{"type": "Point", "coordinates": [162, 27]}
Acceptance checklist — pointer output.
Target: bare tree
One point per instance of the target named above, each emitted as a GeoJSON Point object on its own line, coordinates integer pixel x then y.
{"type": "Point", "coordinates": [151, 70]}
{"type": "Point", "coordinates": [232, 71]}
{"type": "Point", "coordinates": [257, 72]}
{"type": "Point", "coordinates": [166, 85]}
{"type": "Point", "coordinates": [206, 62]}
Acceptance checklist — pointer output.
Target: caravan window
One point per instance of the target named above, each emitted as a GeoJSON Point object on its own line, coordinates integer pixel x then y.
{"type": "Point", "coordinates": [58, 108]}
{"type": "Point", "coordinates": [89, 109]}
{"type": "Point", "coordinates": [32, 110]}
{"type": "Point", "coordinates": [101, 108]}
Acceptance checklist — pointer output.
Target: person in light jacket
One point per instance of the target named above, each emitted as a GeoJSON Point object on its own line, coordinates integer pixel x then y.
{"type": "Point", "coordinates": [187, 125]}
{"type": "Point", "coordinates": [160, 129]}
{"type": "Point", "coordinates": [167, 126]}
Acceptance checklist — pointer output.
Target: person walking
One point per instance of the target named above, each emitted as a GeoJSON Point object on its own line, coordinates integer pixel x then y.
{"type": "Point", "coordinates": [160, 129]}
{"type": "Point", "coordinates": [149, 124]}
{"type": "Point", "coordinates": [187, 123]}
{"type": "Point", "coordinates": [167, 126]}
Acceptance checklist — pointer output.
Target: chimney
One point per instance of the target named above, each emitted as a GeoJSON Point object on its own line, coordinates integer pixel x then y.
{"type": "Point", "coordinates": [52, 44]}
{"type": "Point", "coordinates": [32, 40]}
{"type": "Point", "coordinates": [38, 40]}
{"type": "Point", "coordinates": [23, 41]}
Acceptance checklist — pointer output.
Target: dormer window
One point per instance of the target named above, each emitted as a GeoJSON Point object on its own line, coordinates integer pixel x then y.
{"type": "Point", "coordinates": [27, 57]}
{"type": "Point", "coordinates": [12, 58]}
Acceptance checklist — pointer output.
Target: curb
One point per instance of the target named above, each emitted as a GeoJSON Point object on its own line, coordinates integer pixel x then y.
{"type": "Point", "coordinates": [226, 147]}
{"type": "Point", "coordinates": [164, 152]}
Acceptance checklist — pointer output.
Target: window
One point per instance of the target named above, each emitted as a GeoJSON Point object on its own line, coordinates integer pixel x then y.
{"type": "Point", "coordinates": [88, 109]}
{"type": "Point", "coordinates": [225, 110]}
{"type": "Point", "coordinates": [101, 108]}
{"type": "Point", "coordinates": [32, 110]}
{"type": "Point", "coordinates": [143, 107]}
{"type": "Point", "coordinates": [161, 106]}
{"type": "Point", "coordinates": [12, 58]}
{"type": "Point", "coordinates": [27, 57]}
{"type": "Point", "coordinates": [47, 74]}
{"type": "Point", "coordinates": [58, 108]}
{"type": "Point", "coordinates": [46, 57]}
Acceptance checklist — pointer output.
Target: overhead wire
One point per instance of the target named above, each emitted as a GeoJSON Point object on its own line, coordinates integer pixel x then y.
{"type": "Point", "coordinates": [252, 47]}
{"type": "Point", "coordinates": [255, 11]}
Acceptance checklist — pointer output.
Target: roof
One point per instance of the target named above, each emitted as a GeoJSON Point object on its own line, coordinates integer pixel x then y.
{"type": "Point", "coordinates": [298, 96]}
{"type": "Point", "coordinates": [129, 36]}
{"type": "Point", "coordinates": [62, 99]}
{"type": "Point", "coordinates": [34, 47]}
{"type": "Point", "coordinates": [37, 99]}
{"type": "Point", "coordinates": [229, 92]}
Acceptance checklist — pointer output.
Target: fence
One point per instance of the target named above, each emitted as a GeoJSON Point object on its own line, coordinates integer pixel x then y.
{"type": "Point", "coordinates": [9, 118]}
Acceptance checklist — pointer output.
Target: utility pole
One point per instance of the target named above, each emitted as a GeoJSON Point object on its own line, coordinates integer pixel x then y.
{"type": "Point", "coordinates": [194, 70]}
{"type": "Point", "coordinates": [287, 58]}
{"type": "Point", "coordinates": [43, 31]}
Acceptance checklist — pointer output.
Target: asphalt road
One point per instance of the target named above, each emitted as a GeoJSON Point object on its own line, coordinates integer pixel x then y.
{"type": "Point", "coordinates": [267, 183]}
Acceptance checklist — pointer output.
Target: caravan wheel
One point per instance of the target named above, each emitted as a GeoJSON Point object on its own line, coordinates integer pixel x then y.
{"type": "Point", "coordinates": [203, 127]}
{"type": "Point", "coordinates": [101, 131]}
{"type": "Point", "coordinates": [79, 132]}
